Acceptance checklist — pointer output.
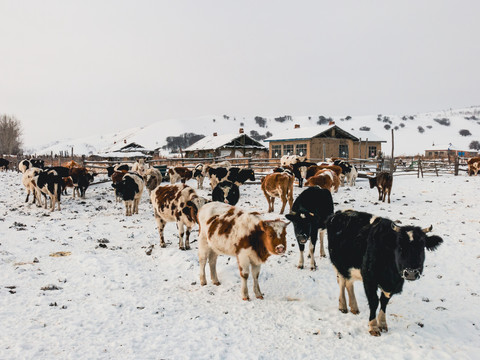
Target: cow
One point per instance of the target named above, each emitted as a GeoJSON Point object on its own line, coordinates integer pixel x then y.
{"type": "Point", "coordinates": [291, 159]}
{"type": "Point", "coordinates": [278, 185]}
{"type": "Point", "coordinates": [64, 173]}
{"type": "Point", "coordinates": [176, 203]}
{"type": "Point", "coordinates": [39, 163]}
{"type": "Point", "coordinates": [314, 169]}
{"type": "Point", "coordinates": [199, 175]}
{"type": "Point", "coordinates": [48, 183]}
{"type": "Point", "coordinates": [139, 167]}
{"type": "Point", "coordinates": [300, 171]}
{"type": "Point", "coordinates": [130, 189]}
{"type": "Point", "coordinates": [117, 176]}
{"type": "Point", "coordinates": [234, 174]}
{"type": "Point", "coordinates": [24, 165]}
{"type": "Point", "coordinates": [153, 178]}
{"type": "Point", "coordinates": [350, 171]}
{"type": "Point", "coordinates": [378, 252]}
{"type": "Point", "coordinates": [27, 181]}
{"type": "Point", "coordinates": [229, 230]}
{"type": "Point", "coordinates": [473, 165]}
{"type": "Point", "coordinates": [81, 180]}
{"type": "Point", "coordinates": [4, 164]}
{"type": "Point", "coordinates": [179, 173]}
{"type": "Point", "coordinates": [119, 167]}
{"type": "Point", "coordinates": [326, 179]}
{"type": "Point", "coordinates": [226, 192]}
{"type": "Point", "coordinates": [71, 164]}
{"type": "Point", "coordinates": [383, 182]}
{"type": "Point", "coordinates": [309, 214]}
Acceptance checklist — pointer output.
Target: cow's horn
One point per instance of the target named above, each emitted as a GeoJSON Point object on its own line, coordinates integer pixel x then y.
{"type": "Point", "coordinates": [427, 230]}
{"type": "Point", "coordinates": [395, 227]}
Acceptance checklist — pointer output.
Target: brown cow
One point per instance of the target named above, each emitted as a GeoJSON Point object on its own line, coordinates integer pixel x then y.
{"type": "Point", "coordinates": [226, 229]}
{"type": "Point", "coordinates": [179, 173]}
{"type": "Point", "coordinates": [473, 165]}
{"type": "Point", "coordinates": [326, 179]}
{"type": "Point", "coordinates": [383, 181]}
{"type": "Point", "coordinates": [278, 185]}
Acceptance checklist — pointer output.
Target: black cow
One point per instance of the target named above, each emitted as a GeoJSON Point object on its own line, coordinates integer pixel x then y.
{"type": "Point", "coordinates": [118, 167]}
{"type": "Point", "coordinates": [300, 171]}
{"type": "Point", "coordinates": [63, 172]}
{"type": "Point", "coordinates": [309, 212]}
{"type": "Point", "coordinates": [234, 174]}
{"type": "Point", "coordinates": [49, 184]}
{"type": "Point", "coordinates": [4, 164]}
{"type": "Point", "coordinates": [130, 189]}
{"type": "Point", "coordinates": [226, 192]}
{"type": "Point", "coordinates": [378, 252]}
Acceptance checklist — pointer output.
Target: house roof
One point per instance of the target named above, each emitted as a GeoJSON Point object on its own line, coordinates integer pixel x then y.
{"type": "Point", "coordinates": [443, 147]}
{"type": "Point", "coordinates": [214, 142]}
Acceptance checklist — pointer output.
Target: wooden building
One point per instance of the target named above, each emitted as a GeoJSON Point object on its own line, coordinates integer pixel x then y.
{"type": "Point", "coordinates": [444, 151]}
{"type": "Point", "coordinates": [324, 141]}
{"type": "Point", "coordinates": [229, 145]}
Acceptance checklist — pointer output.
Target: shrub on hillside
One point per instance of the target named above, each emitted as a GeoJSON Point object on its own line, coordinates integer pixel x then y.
{"type": "Point", "coordinates": [282, 119]}
{"type": "Point", "coordinates": [421, 130]}
{"type": "Point", "coordinates": [474, 145]}
{"type": "Point", "coordinates": [443, 121]}
{"type": "Point", "coordinates": [322, 120]}
{"type": "Point", "coordinates": [387, 127]}
{"type": "Point", "coordinates": [402, 125]}
{"type": "Point", "coordinates": [175, 143]}
{"type": "Point", "coordinates": [260, 121]}
{"type": "Point", "coordinates": [364, 128]}
{"type": "Point", "coordinates": [465, 132]}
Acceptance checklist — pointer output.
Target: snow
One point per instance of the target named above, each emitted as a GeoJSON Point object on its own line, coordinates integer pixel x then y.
{"type": "Point", "coordinates": [115, 302]}
{"type": "Point", "coordinates": [408, 139]}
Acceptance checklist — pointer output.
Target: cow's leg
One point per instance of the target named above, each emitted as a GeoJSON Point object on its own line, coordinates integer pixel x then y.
{"type": "Point", "coordinates": [389, 191]}
{"type": "Point", "coordinates": [212, 262]}
{"type": "Point", "coordinates": [372, 297]}
{"type": "Point", "coordinates": [244, 268]}
{"type": "Point", "coordinates": [342, 301]}
{"type": "Point", "coordinates": [272, 204]}
{"type": "Point", "coordinates": [283, 196]}
{"type": "Point", "coordinates": [311, 247]}
{"type": "Point", "coordinates": [321, 233]}
{"type": "Point", "coordinates": [300, 261]}
{"type": "Point", "coordinates": [203, 251]}
{"type": "Point", "coordinates": [28, 195]}
{"type": "Point", "coordinates": [180, 234]}
{"type": "Point", "coordinates": [352, 300]}
{"type": "Point", "coordinates": [187, 237]}
{"type": "Point", "coordinates": [256, 286]}
{"type": "Point", "coordinates": [380, 193]}
{"type": "Point", "coordinates": [382, 321]}
{"type": "Point", "coordinates": [160, 226]}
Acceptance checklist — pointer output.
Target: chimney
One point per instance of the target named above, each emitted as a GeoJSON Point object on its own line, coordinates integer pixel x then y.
{"type": "Point", "coordinates": [240, 131]}
{"type": "Point", "coordinates": [297, 126]}
{"type": "Point", "coordinates": [214, 134]}
{"type": "Point", "coordinates": [331, 123]}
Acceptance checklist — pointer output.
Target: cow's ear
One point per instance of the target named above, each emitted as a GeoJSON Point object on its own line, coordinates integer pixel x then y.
{"type": "Point", "coordinates": [395, 227]}
{"type": "Point", "coordinates": [433, 242]}
{"type": "Point", "coordinates": [427, 230]}
{"type": "Point", "coordinates": [292, 216]}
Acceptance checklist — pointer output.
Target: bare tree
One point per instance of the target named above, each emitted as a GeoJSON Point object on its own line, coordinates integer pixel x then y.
{"type": "Point", "coordinates": [10, 135]}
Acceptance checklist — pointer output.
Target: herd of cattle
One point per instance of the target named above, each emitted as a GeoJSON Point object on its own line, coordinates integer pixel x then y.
{"type": "Point", "coordinates": [361, 246]}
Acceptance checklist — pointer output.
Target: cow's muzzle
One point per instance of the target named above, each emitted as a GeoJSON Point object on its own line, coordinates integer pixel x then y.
{"type": "Point", "coordinates": [411, 274]}
{"type": "Point", "coordinates": [280, 249]}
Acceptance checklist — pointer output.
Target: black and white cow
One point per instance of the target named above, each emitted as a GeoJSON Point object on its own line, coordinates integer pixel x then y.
{"type": "Point", "coordinates": [309, 213]}
{"type": "Point", "coordinates": [130, 189]}
{"type": "Point", "coordinates": [348, 170]}
{"type": "Point", "coordinates": [300, 171]}
{"type": "Point", "coordinates": [63, 172]}
{"type": "Point", "coordinates": [24, 165]}
{"type": "Point", "coordinates": [39, 163]}
{"type": "Point", "coordinates": [378, 252]}
{"type": "Point", "coordinates": [48, 183]}
{"type": "Point", "coordinates": [119, 167]}
{"type": "Point", "coordinates": [199, 174]}
{"type": "Point", "coordinates": [234, 174]}
{"type": "Point", "coordinates": [226, 192]}
{"type": "Point", "coordinates": [4, 164]}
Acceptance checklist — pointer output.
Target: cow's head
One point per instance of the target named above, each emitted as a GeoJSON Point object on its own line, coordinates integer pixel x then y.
{"type": "Point", "coordinates": [372, 181]}
{"type": "Point", "coordinates": [249, 174]}
{"type": "Point", "coordinates": [303, 222]}
{"type": "Point", "coordinates": [275, 236]}
{"type": "Point", "coordinates": [410, 249]}
{"type": "Point", "coordinates": [197, 172]}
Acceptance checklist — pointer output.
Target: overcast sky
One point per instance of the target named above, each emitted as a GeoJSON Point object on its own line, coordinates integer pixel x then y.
{"type": "Point", "coordinates": [73, 68]}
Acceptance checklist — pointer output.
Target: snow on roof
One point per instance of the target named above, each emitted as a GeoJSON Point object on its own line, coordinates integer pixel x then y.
{"type": "Point", "coordinates": [120, 154]}
{"type": "Point", "coordinates": [214, 142]}
{"type": "Point", "coordinates": [446, 147]}
{"type": "Point", "coordinates": [364, 135]}
{"type": "Point", "coordinates": [300, 133]}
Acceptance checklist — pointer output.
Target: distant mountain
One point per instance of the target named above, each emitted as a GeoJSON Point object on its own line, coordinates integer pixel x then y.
{"type": "Point", "coordinates": [414, 133]}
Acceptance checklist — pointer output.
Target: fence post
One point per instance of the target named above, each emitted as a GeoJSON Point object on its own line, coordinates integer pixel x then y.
{"type": "Point", "coordinates": [456, 166]}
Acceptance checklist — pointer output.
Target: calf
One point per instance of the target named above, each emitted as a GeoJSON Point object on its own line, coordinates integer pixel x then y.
{"type": "Point", "coordinates": [326, 179]}
{"type": "Point", "coordinates": [49, 184]}
{"type": "Point", "coordinates": [179, 173]}
{"type": "Point", "coordinates": [4, 164]}
{"type": "Point", "coordinates": [278, 185]}
{"type": "Point", "coordinates": [199, 174]}
{"type": "Point", "coordinates": [117, 176]}
{"type": "Point", "coordinates": [226, 192]}
{"type": "Point", "coordinates": [234, 174]}
{"type": "Point", "coordinates": [27, 181]}
{"type": "Point", "coordinates": [130, 189]}
{"type": "Point", "coordinates": [379, 253]}
{"type": "Point", "coordinates": [226, 229]}
{"type": "Point", "coordinates": [176, 203]}
{"type": "Point", "coordinates": [81, 180]}
{"type": "Point", "coordinates": [383, 181]}
{"type": "Point", "coordinates": [64, 173]}
{"type": "Point", "coordinates": [153, 178]}
{"type": "Point", "coordinates": [473, 165]}
{"type": "Point", "coordinates": [300, 171]}
{"type": "Point", "coordinates": [309, 213]}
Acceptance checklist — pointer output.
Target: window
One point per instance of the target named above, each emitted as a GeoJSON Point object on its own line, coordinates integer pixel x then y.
{"type": "Point", "coordinates": [276, 151]}
{"type": "Point", "coordinates": [372, 151]}
{"type": "Point", "coordinates": [288, 149]}
{"type": "Point", "coordinates": [301, 149]}
{"type": "Point", "coordinates": [343, 151]}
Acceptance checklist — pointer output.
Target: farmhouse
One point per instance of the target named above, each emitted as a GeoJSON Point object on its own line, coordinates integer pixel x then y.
{"type": "Point", "coordinates": [444, 151]}
{"type": "Point", "coordinates": [324, 141]}
{"type": "Point", "coordinates": [230, 145]}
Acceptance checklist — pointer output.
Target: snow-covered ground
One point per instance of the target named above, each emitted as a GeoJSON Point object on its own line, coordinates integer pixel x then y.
{"type": "Point", "coordinates": [115, 302]}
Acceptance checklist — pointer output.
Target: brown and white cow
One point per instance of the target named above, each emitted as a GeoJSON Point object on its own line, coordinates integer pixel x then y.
{"type": "Point", "coordinates": [139, 167]}
{"type": "Point", "coordinates": [176, 203]}
{"type": "Point", "coordinates": [179, 173]}
{"type": "Point", "coordinates": [473, 165]}
{"type": "Point", "coordinates": [278, 185]}
{"type": "Point", "coordinates": [27, 181]}
{"type": "Point", "coordinates": [226, 229]}
{"type": "Point", "coordinates": [383, 181]}
{"type": "Point", "coordinates": [291, 159]}
{"type": "Point", "coordinates": [153, 178]}
{"type": "Point", "coordinates": [326, 179]}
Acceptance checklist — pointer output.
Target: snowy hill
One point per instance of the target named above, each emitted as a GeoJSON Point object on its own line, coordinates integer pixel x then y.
{"type": "Point", "coordinates": [414, 133]}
